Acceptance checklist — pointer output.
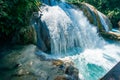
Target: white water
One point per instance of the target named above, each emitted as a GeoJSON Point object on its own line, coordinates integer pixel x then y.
{"type": "Point", "coordinates": [93, 64]}
{"type": "Point", "coordinates": [71, 33]}
{"type": "Point", "coordinates": [103, 21]}
{"type": "Point", "coordinates": [69, 28]}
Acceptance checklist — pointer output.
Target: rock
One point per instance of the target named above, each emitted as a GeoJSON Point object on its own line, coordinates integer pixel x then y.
{"type": "Point", "coordinates": [92, 15]}
{"type": "Point", "coordinates": [73, 72]}
{"type": "Point", "coordinates": [23, 64]}
{"type": "Point", "coordinates": [119, 25]}
{"type": "Point", "coordinates": [43, 36]}
{"type": "Point", "coordinates": [26, 35]}
{"type": "Point", "coordinates": [61, 78]}
{"type": "Point", "coordinates": [22, 72]}
{"type": "Point", "coordinates": [111, 35]}
{"type": "Point", "coordinates": [57, 62]}
{"type": "Point", "coordinates": [108, 22]}
{"type": "Point", "coordinates": [90, 12]}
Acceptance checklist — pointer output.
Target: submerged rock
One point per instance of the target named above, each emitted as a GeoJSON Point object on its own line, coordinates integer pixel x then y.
{"type": "Point", "coordinates": [23, 64]}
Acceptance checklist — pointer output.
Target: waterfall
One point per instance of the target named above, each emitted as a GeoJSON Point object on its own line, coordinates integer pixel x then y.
{"type": "Point", "coordinates": [46, 2]}
{"type": "Point", "coordinates": [93, 64]}
{"type": "Point", "coordinates": [103, 21]}
{"type": "Point", "coordinates": [71, 32]}
{"type": "Point", "coordinates": [50, 2]}
{"type": "Point", "coordinates": [69, 28]}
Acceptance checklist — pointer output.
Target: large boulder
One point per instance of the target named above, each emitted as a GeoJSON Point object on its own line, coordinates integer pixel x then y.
{"type": "Point", "coordinates": [28, 63]}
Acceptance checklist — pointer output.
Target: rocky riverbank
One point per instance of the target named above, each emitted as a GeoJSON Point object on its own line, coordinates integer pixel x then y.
{"type": "Point", "coordinates": [22, 63]}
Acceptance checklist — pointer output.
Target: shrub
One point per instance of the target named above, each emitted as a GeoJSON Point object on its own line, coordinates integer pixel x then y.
{"type": "Point", "coordinates": [15, 14]}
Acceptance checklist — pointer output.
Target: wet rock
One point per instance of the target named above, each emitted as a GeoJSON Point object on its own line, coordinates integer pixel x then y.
{"type": "Point", "coordinates": [61, 78]}
{"type": "Point", "coordinates": [43, 36]}
{"type": "Point", "coordinates": [111, 35]}
{"type": "Point", "coordinates": [57, 62]}
{"type": "Point", "coordinates": [24, 64]}
{"type": "Point", "coordinates": [92, 14]}
{"type": "Point", "coordinates": [119, 25]}
{"type": "Point", "coordinates": [26, 35]}
{"type": "Point", "coordinates": [107, 20]}
{"type": "Point", "coordinates": [73, 72]}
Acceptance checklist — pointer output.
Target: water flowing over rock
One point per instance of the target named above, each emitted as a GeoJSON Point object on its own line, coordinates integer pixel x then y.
{"type": "Point", "coordinates": [50, 2]}
{"type": "Point", "coordinates": [46, 2]}
{"type": "Point", "coordinates": [73, 35]}
{"type": "Point", "coordinates": [22, 63]}
{"type": "Point", "coordinates": [89, 11]}
{"type": "Point", "coordinates": [95, 17]}
{"type": "Point", "coordinates": [100, 20]}
{"type": "Point", "coordinates": [49, 17]}
{"type": "Point", "coordinates": [68, 27]}
{"type": "Point", "coordinates": [70, 34]}
{"type": "Point", "coordinates": [43, 37]}
{"type": "Point", "coordinates": [103, 21]}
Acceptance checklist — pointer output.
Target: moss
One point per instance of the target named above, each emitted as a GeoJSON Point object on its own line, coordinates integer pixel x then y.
{"type": "Point", "coordinates": [27, 35]}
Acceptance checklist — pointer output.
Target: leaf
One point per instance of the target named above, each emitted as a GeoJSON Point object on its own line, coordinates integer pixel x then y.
{"type": "Point", "coordinates": [4, 14]}
{"type": "Point", "coordinates": [20, 19]}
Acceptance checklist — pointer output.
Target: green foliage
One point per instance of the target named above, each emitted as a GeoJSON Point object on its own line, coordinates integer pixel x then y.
{"type": "Point", "coordinates": [15, 14]}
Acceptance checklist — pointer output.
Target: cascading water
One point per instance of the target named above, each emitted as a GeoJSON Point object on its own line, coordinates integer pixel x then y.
{"type": "Point", "coordinates": [71, 32]}
{"type": "Point", "coordinates": [69, 28]}
{"type": "Point", "coordinates": [103, 21]}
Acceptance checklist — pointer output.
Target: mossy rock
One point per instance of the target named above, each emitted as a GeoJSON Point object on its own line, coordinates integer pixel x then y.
{"type": "Point", "coordinates": [27, 35]}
